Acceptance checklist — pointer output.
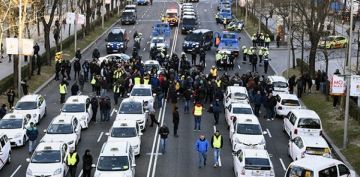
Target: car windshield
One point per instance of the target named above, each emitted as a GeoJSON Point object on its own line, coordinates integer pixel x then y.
{"type": "Point", "coordinates": [249, 129]}
{"type": "Point", "coordinates": [171, 15]}
{"type": "Point", "coordinates": [257, 163]}
{"type": "Point", "coordinates": [193, 37]}
{"type": "Point", "coordinates": [60, 129]}
{"type": "Point", "coordinates": [189, 21]}
{"type": "Point", "coordinates": [115, 37]}
{"type": "Point", "coordinates": [140, 92]}
{"type": "Point", "coordinates": [123, 132]}
{"type": "Point", "coordinates": [11, 123]}
{"type": "Point", "coordinates": [288, 102]}
{"type": "Point", "coordinates": [240, 96]}
{"type": "Point", "coordinates": [162, 25]}
{"type": "Point", "coordinates": [73, 108]}
{"type": "Point", "coordinates": [149, 67]}
{"type": "Point", "coordinates": [309, 123]}
{"type": "Point", "coordinates": [242, 110]}
{"type": "Point", "coordinates": [131, 108]}
{"type": "Point", "coordinates": [229, 36]}
{"type": "Point", "coordinates": [127, 14]}
{"type": "Point", "coordinates": [317, 150]}
{"type": "Point", "coordinates": [46, 156]}
{"type": "Point", "coordinates": [113, 163]}
{"type": "Point", "coordinates": [296, 171]}
{"type": "Point", "coordinates": [225, 11]}
{"type": "Point", "coordinates": [157, 40]}
{"type": "Point", "coordinates": [328, 38]}
{"type": "Point", "coordinates": [280, 84]}
{"type": "Point", "coordinates": [26, 105]}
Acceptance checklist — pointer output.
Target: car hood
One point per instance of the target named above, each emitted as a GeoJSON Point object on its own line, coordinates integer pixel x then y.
{"type": "Point", "coordinates": [45, 169]}
{"type": "Point", "coordinates": [249, 139]}
{"type": "Point", "coordinates": [143, 98]}
{"type": "Point", "coordinates": [110, 174]}
{"type": "Point", "coordinates": [137, 117]}
{"type": "Point", "coordinates": [59, 138]}
{"type": "Point", "coordinates": [78, 115]}
{"type": "Point", "coordinates": [158, 45]}
{"type": "Point", "coordinates": [10, 133]}
{"type": "Point", "coordinates": [31, 112]}
{"type": "Point", "coordinates": [132, 140]}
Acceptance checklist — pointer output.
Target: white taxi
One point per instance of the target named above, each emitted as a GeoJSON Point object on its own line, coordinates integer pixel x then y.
{"type": "Point", "coordinates": [302, 122]}
{"type": "Point", "coordinates": [35, 105]}
{"type": "Point", "coordinates": [247, 133]}
{"type": "Point", "coordinates": [63, 129]}
{"type": "Point", "coordinates": [48, 159]}
{"type": "Point", "coordinates": [304, 146]}
{"type": "Point", "coordinates": [279, 84]}
{"type": "Point", "coordinates": [252, 162]}
{"type": "Point", "coordinates": [14, 126]}
{"type": "Point", "coordinates": [237, 110]}
{"type": "Point", "coordinates": [115, 159]}
{"type": "Point", "coordinates": [235, 94]}
{"type": "Point", "coordinates": [142, 93]}
{"type": "Point", "coordinates": [285, 103]}
{"type": "Point", "coordinates": [126, 130]}
{"type": "Point", "coordinates": [5, 150]}
{"type": "Point", "coordinates": [80, 107]}
{"type": "Point", "coordinates": [131, 109]}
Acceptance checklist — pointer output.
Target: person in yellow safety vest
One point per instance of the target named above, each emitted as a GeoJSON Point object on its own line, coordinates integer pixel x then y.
{"type": "Point", "coordinates": [244, 50]}
{"type": "Point", "coordinates": [218, 57]}
{"type": "Point", "coordinates": [137, 80]}
{"type": "Point", "coordinates": [254, 40]}
{"type": "Point", "coordinates": [218, 83]}
{"type": "Point", "coordinates": [93, 82]}
{"type": "Point", "coordinates": [267, 41]}
{"type": "Point", "coordinates": [72, 162]}
{"type": "Point", "coordinates": [250, 53]}
{"type": "Point", "coordinates": [197, 111]}
{"type": "Point", "coordinates": [146, 79]}
{"type": "Point", "coordinates": [117, 74]}
{"type": "Point", "coordinates": [63, 91]}
{"type": "Point", "coordinates": [261, 54]}
{"type": "Point", "coordinates": [262, 39]}
{"type": "Point", "coordinates": [216, 143]}
{"type": "Point", "coordinates": [213, 72]}
{"type": "Point", "coordinates": [117, 91]}
{"type": "Point", "coordinates": [266, 52]}
{"type": "Point", "coordinates": [162, 18]}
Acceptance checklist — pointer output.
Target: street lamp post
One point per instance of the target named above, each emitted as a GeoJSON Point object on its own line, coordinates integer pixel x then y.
{"type": "Point", "coordinates": [75, 26]}
{"type": "Point", "coordinates": [246, 12]}
{"type": "Point", "coordinates": [20, 31]}
{"type": "Point", "coordinates": [260, 16]}
{"type": "Point", "coordinates": [289, 36]}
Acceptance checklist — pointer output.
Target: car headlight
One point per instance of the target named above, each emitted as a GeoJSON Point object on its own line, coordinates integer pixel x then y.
{"type": "Point", "coordinates": [183, 28]}
{"type": "Point", "coordinates": [58, 171]}
{"type": "Point", "coordinates": [238, 141]}
{"type": "Point", "coordinates": [29, 172]}
{"type": "Point", "coordinates": [70, 142]}
{"type": "Point", "coordinates": [18, 135]}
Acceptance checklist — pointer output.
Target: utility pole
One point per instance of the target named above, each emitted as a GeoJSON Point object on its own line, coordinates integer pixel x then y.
{"type": "Point", "coordinates": [75, 26]}
{"type": "Point", "coordinates": [346, 119]}
{"type": "Point", "coordinates": [60, 21]}
{"type": "Point", "coordinates": [357, 55]}
{"type": "Point", "coordinates": [246, 12]}
{"type": "Point", "coordinates": [20, 36]}
{"type": "Point", "coordinates": [236, 7]}
{"type": "Point", "coordinates": [103, 14]}
{"type": "Point", "coordinates": [289, 41]}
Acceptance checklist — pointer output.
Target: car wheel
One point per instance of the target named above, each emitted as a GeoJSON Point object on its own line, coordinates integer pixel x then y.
{"type": "Point", "coordinates": [9, 158]}
{"type": "Point", "coordinates": [24, 141]}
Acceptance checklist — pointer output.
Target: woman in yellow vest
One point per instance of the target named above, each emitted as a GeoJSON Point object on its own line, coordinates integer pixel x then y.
{"type": "Point", "coordinates": [197, 115]}
{"type": "Point", "coordinates": [216, 144]}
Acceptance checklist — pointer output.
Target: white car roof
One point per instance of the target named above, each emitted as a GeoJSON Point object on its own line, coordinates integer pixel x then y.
{"type": "Point", "coordinates": [240, 105]}
{"type": "Point", "coordinates": [237, 89]}
{"type": "Point", "coordinates": [152, 62]}
{"type": "Point", "coordinates": [131, 5]}
{"type": "Point", "coordinates": [129, 10]}
{"type": "Point", "coordinates": [124, 123]}
{"type": "Point", "coordinates": [189, 10]}
{"type": "Point", "coordinates": [62, 119]}
{"type": "Point", "coordinates": [77, 99]}
{"type": "Point", "coordinates": [130, 100]}
{"type": "Point", "coordinates": [171, 11]}
{"type": "Point", "coordinates": [305, 113]}
{"type": "Point", "coordinates": [312, 162]}
{"type": "Point", "coordinates": [277, 79]}
{"type": "Point", "coordinates": [31, 97]}
{"type": "Point", "coordinates": [142, 86]}
{"type": "Point", "coordinates": [314, 141]}
{"type": "Point", "coordinates": [259, 153]}
{"type": "Point", "coordinates": [49, 146]}
{"type": "Point", "coordinates": [157, 37]}
{"type": "Point", "coordinates": [118, 148]}
{"type": "Point", "coordinates": [287, 96]}
{"type": "Point", "coordinates": [244, 117]}
{"type": "Point", "coordinates": [14, 116]}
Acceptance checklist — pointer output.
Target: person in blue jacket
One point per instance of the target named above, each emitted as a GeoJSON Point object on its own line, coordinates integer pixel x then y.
{"type": "Point", "coordinates": [202, 146]}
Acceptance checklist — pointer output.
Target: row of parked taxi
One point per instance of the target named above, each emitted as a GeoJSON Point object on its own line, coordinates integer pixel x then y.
{"type": "Point", "coordinates": [308, 149]}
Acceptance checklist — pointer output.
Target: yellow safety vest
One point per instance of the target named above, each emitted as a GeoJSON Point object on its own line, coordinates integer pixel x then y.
{"type": "Point", "coordinates": [116, 89]}
{"type": "Point", "coordinates": [213, 72]}
{"type": "Point", "coordinates": [198, 111]}
{"type": "Point", "coordinates": [117, 74]}
{"type": "Point", "coordinates": [245, 51]}
{"type": "Point", "coordinates": [71, 159]}
{"type": "Point", "coordinates": [146, 81]}
{"type": "Point", "coordinates": [93, 81]}
{"type": "Point", "coordinates": [267, 39]}
{"type": "Point", "coordinates": [137, 80]}
{"type": "Point", "coordinates": [177, 86]}
{"type": "Point", "coordinates": [218, 56]}
{"type": "Point", "coordinates": [218, 83]}
{"type": "Point", "coordinates": [217, 142]}
{"type": "Point", "coordinates": [62, 89]}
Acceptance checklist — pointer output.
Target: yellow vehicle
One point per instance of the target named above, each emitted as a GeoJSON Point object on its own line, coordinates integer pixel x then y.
{"type": "Point", "coordinates": [172, 17]}
{"type": "Point", "coordinates": [333, 42]}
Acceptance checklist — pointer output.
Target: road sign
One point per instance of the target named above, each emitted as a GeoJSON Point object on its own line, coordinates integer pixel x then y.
{"type": "Point", "coordinates": [107, 1]}
{"type": "Point", "coordinates": [27, 47]}
{"type": "Point", "coordinates": [337, 85]}
{"type": "Point", "coordinates": [355, 85]}
{"type": "Point", "coordinates": [70, 18]}
{"type": "Point", "coordinates": [81, 19]}
{"type": "Point", "coordinates": [12, 46]}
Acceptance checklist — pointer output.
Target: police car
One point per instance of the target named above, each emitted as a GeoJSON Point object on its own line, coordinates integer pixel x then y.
{"type": "Point", "coordinates": [237, 110]}
{"type": "Point", "coordinates": [285, 103]}
{"type": "Point", "coordinates": [131, 109]}
{"type": "Point", "coordinates": [35, 105]}
{"type": "Point", "coordinates": [5, 150]}
{"type": "Point", "coordinates": [63, 129]}
{"type": "Point", "coordinates": [48, 159]}
{"type": "Point", "coordinates": [235, 94]}
{"type": "Point", "coordinates": [247, 133]}
{"type": "Point", "coordinates": [115, 159]}
{"type": "Point", "coordinates": [278, 83]}
{"type": "Point", "coordinates": [142, 93]}
{"type": "Point", "coordinates": [252, 162]}
{"type": "Point", "coordinates": [80, 107]}
{"type": "Point", "coordinates": [126, 130]}
{"type": "Point", "coordinates": [14, 126]}
{"type": "Point", "coordinates": [305, 146]}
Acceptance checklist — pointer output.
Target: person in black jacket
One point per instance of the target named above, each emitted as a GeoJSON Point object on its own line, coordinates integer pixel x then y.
{"type": "Point", "coordinates": [300, 86]}
{"type": "Point", "coordinates": [216, 110]}
{"type": "Point", "coordinates": [94, 107]}
{"type": "Point", "coordinates": [68, 69]}
{"type": "Point", "coordinates": [77, 68]}
{"type": "Point", "coordinates": [3, 111]}
{"type": "Point", "coordinates": [96, 53]}
{"type": "Point", "coordinates": [74, 89]}
{"type": "Point", "coordinates": [87, 162]}
{"type": "Point", "coordinates": [57, 70]}
{"type": "Point", "coordinates": [163, 132]}
{"type": "Point", "coordinates": [78, 54]}
{"type": "Point", "coordinates": [11, 97]}
{"type": "Point", "coordinates": [176, 120]}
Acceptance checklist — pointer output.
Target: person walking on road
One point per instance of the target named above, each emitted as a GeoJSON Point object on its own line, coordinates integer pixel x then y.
{"type": "Point", "coordinates": [216, 111]}
{"type": "Point", "coordinates": [77, 68]}
{"type": "Point", "coordinates": [197, 111]}
{"type": "Point", "coordinates": [11, 97]}
{"type": "Point", "coordinates": [87, 162]}
{"type": "Point", "coordinates": [74, 89]}
{"type": "Point", "coordinates": [72, 162]}
{"type": "Point", "coordinates": [163, 132]}
{"type": "Point", "coordinates": [257, 100]}
{"type": "Point", "coordinates": [176, 120]}
{"type": "Point", "coordinates": [32, 133]}
{"type": "Point", "coordinates": [149, 106]}
{"type": "Point", "coordinates": [78, 54]}
{"type": "Point", "coordinates": [94, 107]}
{"type": "Point", "coordinates": [216, 144]}
{"type": "Point", "coordinates": [63, 91]}
{"type": "Point", "coordinates": [202, 146]}
{"type": "Point", "coordinates": [24, 86]}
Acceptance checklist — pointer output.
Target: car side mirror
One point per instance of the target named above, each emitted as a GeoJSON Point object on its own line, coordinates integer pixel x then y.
{"type": "Point", "coordinates": [1, 153]}
{"type": "Point", "coordinates": [292, 140]}
{"type": "Point", "coordinates": [45, 130]}
{"type": "Point", "coordinates": [27, 159]}
{"type": "Point", "coordinates": [265, 132]}
{"type": "Point", "coordinates": [133, 165]}
{"type": "Point", "coordinates": [146, 111]}
{"type": "Point", "coordinates": [76, 130]}
{"type": "Point", "coordinates": [93, 165]}
{"type": "Point", "coordinates": [107, 134]}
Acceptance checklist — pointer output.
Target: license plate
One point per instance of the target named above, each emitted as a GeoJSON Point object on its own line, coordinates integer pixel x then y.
{"type": "Point", "coordinates": [115, 50]}
{"type": "Point", "coordinates": [127, 22]}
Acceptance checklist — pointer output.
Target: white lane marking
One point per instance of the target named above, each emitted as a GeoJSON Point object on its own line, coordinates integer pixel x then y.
{"type": "Point", "coordinates": [214, 128]}
{"type": "Point", "coordinates": [220, 161]}
{"type": "Point", "coordinates": [101, 134]}
{"type": "Point", "coordinates": [144, 48]}
{"type": "Point", "coordinates": [17, 169]}
{"type": "Point", "coordinates": [158, 142]}
{"type": "Point", "coordinates": [239, 66]}
{"type": "Point", "coordinates": [282, 164]}
{"type": "Point", "coordinates": [80, 174]}
{"type": "Point", "coordinates": [149, 153]}
{"type": "Point", "coordinates": [269, 133]}
{"type": "Point", "coordinates": [112, 112]}
{"type": "Point", "coordinates": [153, 146]}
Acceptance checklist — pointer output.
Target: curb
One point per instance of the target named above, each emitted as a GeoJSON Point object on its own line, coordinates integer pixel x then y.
{"type": "Point", "coordinates": [41, 87]}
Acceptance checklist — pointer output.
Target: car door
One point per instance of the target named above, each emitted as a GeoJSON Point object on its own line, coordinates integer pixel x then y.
{"type": "Point", "coordinates": [2, 157]}
{"type": "Point", "coordinates": [289, 123]}
{"type": "Point", "coordinates": [297, 145]}
{"type": "Point", "coordinates": [278, 102]}
{"type": "Point", "coordinates": [41, 106]}
{"type": "Point", "coordinates": [343, 171]}
{"type": "Point", "coordinates": [77, 129]}
{"type": "Point", "coordinates": [238, 159]}
{"type": "Point", "coordinates": [89, 109]}
{"type": "Point", "coordinates": [228, 113]}
{"type": "Point", "coordinates": [5, 149]}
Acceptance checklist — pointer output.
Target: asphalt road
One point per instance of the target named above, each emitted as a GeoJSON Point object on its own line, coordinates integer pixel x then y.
{"type": "Point", "coordinates": [181, 158]}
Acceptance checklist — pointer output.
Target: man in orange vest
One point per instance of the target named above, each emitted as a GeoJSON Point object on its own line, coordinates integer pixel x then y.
{"type": "Point", "coordinates": [197, 111]}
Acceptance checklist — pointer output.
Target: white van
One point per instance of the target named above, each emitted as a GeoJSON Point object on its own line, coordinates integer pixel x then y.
{"type": "Point", "coordinates": [5, 150]}
{"type": "Point", "coordinates": [310, 167]}
{"type": "Point", "coordinates": [302, 122]}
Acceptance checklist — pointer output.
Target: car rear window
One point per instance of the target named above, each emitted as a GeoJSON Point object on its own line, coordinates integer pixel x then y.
{"type": "Point", "coordinates": [289, 102]}
{"type": "Point", "coordinates": [296, 171]}
{"type": "Point", "coordinates": [309, 123]}
{"type": "Point", "coordinates": [257, 164]}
